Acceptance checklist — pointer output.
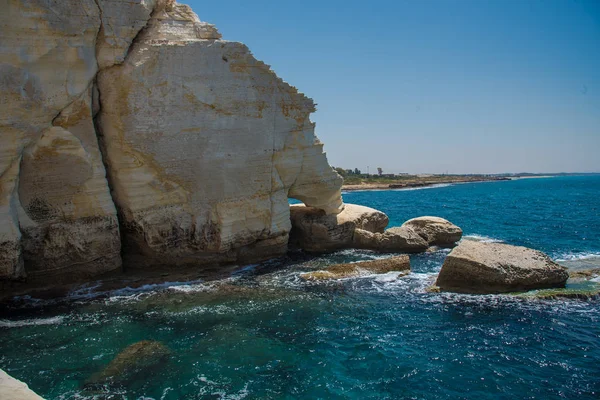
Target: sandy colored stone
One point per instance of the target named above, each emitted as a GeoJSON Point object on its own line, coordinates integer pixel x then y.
{"type": "Point", "coordinates": [203, 143]}
{"type": "Point", "coordinates": [69, 224]}
{"type": "Point", "coordinates": [435, 231]}
{"type": "Point", "coordinates": [382, 266]}
{"type": "Point", "coordinates": [476, 267]}
{"type": "Point", "coordinates": [397, 239]}
{"type": "Point", "coordinates": [121, 21]}
{"type": "Point", "coordinates": [315, 231]}
{"type": "Point", "coordinates": [203, 152]}
{"type": "Point", "coordinates": [54, 197]}
{"type": "Point", "coordinates": [14, 389]}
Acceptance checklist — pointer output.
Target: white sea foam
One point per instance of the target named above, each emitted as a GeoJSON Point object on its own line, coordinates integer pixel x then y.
{"type": "Point", "coordinates": [482, 238]}
{"type": "Point", "coordinates": [578, 256]}
{"type": "Point", "coordinates": [128, 291]}
{"type": "Point", "coordinates": [436, 186]}
{"type": "Point", "coordinates": [87, 291]}
{"type": "Point", "coordinates": [31, 322]}
{"type": "Point", "coordinates": [388, 277]}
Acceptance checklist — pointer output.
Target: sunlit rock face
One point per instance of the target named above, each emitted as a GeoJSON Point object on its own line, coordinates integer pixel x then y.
{"type": "Point", "coordinates": [204, 145]}
{"type": "Point", "coordinates": [200, 144]}
{"type": "Point", "coordinates": [56, 213]}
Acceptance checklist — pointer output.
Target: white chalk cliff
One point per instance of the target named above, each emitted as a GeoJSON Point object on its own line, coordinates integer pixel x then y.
{"type": "Point", "coordinates": [129, 128]}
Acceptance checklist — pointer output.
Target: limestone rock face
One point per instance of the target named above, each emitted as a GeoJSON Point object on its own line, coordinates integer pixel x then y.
{"type": "Point", "coordinates": [476, 267]}
{"type": "Point", "coordinates": [435, 231]}
{"type": "Point", "coordinates": [14, 389]}
{"type": "Point", "coordinates": [200, 143]}
{"type": "Point", "coordinates": [204, 145]}
{"type": "Point", "coordinates": [56, 213]}
{"type": "Point", "coordinates": [121, 21]}
{"type": "Point", "coordinates": [338, 271]}
{"type": "Point", "coordinates": [315, 231]}
{"type": "Point", "coordinates": [398, 239]}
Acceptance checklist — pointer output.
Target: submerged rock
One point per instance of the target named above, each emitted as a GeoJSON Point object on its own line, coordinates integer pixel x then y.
{"type": "Point", "coordinates": [584, 273]}
{"type": "Point", "coordinates": [435, 231]}
{"type": "Point", "coordinates": [14, 389]}
{"type": "Point", "coordinates": [138, 359]}
{"type": "Point", "coordinates": [398, 263]}
{"type": "Point", "coordinates": [580, 290]}
{"type": "Point", "coordinates": [315, 231]}
{"type": "Point", "coordinates": [475, 267]}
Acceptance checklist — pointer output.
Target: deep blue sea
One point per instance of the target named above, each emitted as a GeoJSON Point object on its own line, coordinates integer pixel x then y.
{"type": "Point", "coordinates": [264, 333]}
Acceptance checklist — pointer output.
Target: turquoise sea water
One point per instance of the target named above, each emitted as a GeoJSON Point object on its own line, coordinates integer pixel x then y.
{"type": "Point", "coordinates": [266, 334]}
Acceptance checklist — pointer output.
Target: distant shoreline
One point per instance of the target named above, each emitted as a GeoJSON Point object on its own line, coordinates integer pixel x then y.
{"type": "Point", "coordinates": [427, 183]}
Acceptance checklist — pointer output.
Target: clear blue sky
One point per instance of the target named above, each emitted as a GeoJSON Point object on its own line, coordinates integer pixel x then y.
{"type": "Point", "coordinates": [464, 86]}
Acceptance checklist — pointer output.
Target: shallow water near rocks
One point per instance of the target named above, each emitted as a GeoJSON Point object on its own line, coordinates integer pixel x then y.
{"type": "Point", "coordinates": [265, 333]}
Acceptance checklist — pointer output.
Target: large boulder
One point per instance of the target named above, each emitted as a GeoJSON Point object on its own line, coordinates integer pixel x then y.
{"type": "Point", "coordinates": [315, 231]}
{"type": "Point", "coordinates": [382, 266]}
{"type": "Point", "coordinates": [435, 231]}
{"type": "Point", "coordinates": [476, 267]}
{"type": "Point", "coordinates": [397, 239]}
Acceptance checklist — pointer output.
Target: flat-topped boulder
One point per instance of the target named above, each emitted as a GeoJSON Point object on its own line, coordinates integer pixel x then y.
{"type": "Point", "coordinates": [382, 266]}
{"type": "Point", "coordinates": [435, 231]}
{"type": "Point", "coordinates": [476, 267]}
{"type": "Point", "coordinates": [315, 231]}
{"type": "Point", "coordinates": [398, 239]}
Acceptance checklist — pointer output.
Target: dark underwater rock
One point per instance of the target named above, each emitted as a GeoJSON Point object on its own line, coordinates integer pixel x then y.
{"type": "Point", "coordinates": [138, 359]}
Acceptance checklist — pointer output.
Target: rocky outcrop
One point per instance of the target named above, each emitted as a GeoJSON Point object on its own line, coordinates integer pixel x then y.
{"type": "Point", "coordinates": [14, 389]}
{"type": "Point", "coordinates": [435, 231]}
{"type": "Point", "coordinates": [476, 267]}
{"type": "Point", "coordinates": [200, 143]}
{"type": "Point", "coordinates": [204, 152]}
{"type": "Point", "coordinates": [56, 214]}
{"type": "Point", "coordinates": [316, 231]}
{"type": "Point", "coordinates": [382, 266]}
{"type": "Point", "coordinates": [364, 228]}
{"type": "Point", "coordinates": [397, 239]}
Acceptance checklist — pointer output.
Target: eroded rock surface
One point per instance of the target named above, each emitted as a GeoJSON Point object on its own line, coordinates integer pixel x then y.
{"type": "Point", "coordinates": [54, 198]}
{"type": "Point", "coordinates": [316, 231]}
{"type": "Point", "coordinates": [200, 143]}
{"type": "Point", "coordinates": [476, 267]}
{"type": "Point", "coordinates": [382, 266]}
{"type": "Point", "coordinates": [435, 231]}
{"type": "Point", "coordinates": [397, 239]}
{"type": "Point", "coordinates": [204, 145]}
